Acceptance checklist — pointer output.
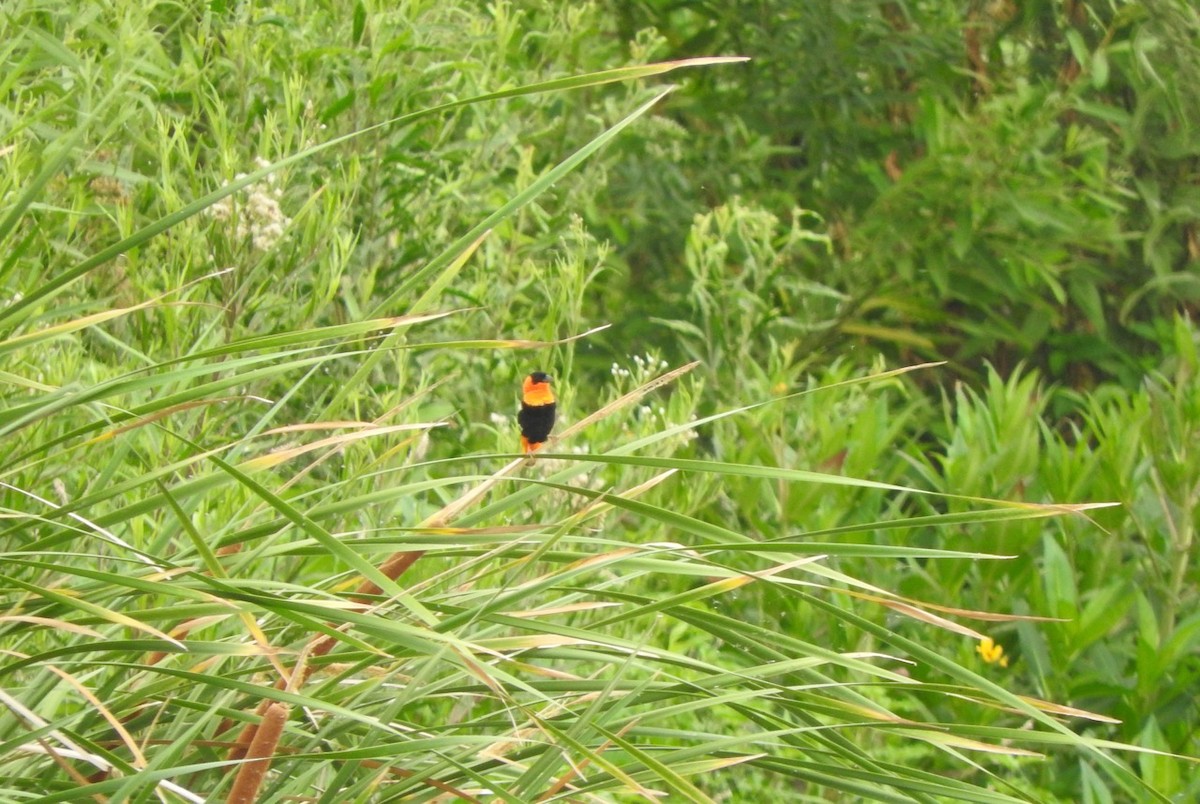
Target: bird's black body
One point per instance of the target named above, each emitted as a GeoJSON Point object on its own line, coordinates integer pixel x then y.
{"type": "Point", "coordinates": [537, 411]}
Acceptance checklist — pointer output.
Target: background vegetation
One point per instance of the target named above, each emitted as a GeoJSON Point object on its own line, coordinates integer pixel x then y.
{"type": "Point", "coordinates": [271, 277]}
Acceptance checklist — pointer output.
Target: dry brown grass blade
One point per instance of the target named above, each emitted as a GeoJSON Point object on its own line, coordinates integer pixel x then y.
{"type": "Point", "coordinates": [159, 415]}
{"type": "Point", "coordinates": [910, 610]}
{"type": "Point", "coordinates": [305, 427]}
{"type": "Point", "coordinates": [577, 771]}
{"type": "Point", "coordinates": [968, 744]}
{"type": "Point", "coordinates": [338, 442]}
{"type": "Point", "coordinates": [917, 610]}
{"type": "Point", "coordinates": [623, 402]}
{"type": "Point", "coordinates": [601, 503]}
{"type": "Point", "coordinates": [1067, 711]}
{"type": "Point", "coordinates": [1060, 710]}
{"type": "Point", "coordinates": [69, 769]}
{"type": "Point", "coordinates": [72, 750]}
{"type": "Point", "coordinates": [517, 343]}
{"type": "Point", "coordinates": [451, 511]}
{"type": "Point", "coordinates": [139, 759]}
{"type": "Point", "coordinates": [375, 422]}
{"type": "Point", "coordinates": [989, 616]}
{"type": "Point", "coordinates": [496, 530]}
{"type": "Point", "coordinates": [49, 622]}
{"type": "Point", "coordinates": [572, 608]}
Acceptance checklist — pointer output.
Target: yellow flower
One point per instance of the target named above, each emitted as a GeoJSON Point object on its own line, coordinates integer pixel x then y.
{"type": "Point", "coordinates": [991, 652]}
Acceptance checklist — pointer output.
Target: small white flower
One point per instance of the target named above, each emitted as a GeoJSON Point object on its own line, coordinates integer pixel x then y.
{"type": "Point", "coordinates": [260, 219]}
{"type": "Point", "coordinates": [422, 448]}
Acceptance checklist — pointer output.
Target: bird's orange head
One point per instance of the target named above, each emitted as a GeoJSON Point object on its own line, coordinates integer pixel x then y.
{"type": "Point", "coordinates": [537, 390]}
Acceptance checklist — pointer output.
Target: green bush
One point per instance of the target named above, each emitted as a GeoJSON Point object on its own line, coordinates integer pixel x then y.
{"type": "Point", "coordinates": [1003, 183]}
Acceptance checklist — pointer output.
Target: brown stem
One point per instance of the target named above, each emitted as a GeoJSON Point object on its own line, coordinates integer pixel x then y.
{"type": "Point", "coordinates": [320, 645]}
{"type": "Point", "coordinates": [245, 738]}
{"type": "Point", "coordinates": [158, 655]}
{"type": "Point", "coordinates": [262, 748]}
{"type": "Point", "coordinates": [393, 568]}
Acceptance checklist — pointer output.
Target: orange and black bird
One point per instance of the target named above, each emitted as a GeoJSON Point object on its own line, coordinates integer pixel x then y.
{"type": "Point", "coordinates": [537, 411]}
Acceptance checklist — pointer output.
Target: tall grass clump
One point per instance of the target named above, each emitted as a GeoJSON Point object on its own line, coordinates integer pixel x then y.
{"type": "Point", "coordinates": [270, 276]}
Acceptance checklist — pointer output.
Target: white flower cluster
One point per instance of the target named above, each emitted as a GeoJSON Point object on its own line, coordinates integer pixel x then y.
{"type": "Point", "coordinates": [644, 367]}
{"type": "Point", "coordinates": [646, 412]}
{"type": "Point", "coordinates": [650, 362]}
{"type": "Point", "coordinates": [260, 217]}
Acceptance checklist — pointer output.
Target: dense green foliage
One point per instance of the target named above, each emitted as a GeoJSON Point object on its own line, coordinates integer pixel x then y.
{"type": "Point", "coordinates": [272, 276]}
{"type": "Point", "coordinates": [1002, 181]}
